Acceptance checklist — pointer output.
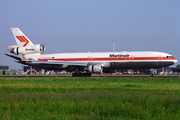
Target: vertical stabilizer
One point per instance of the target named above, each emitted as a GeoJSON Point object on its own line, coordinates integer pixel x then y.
{"type": "Point", "coordinates": [20, 38]}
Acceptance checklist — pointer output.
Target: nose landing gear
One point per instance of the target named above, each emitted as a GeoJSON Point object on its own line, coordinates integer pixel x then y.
{"type": "Point", "coordinates": [151, 72]}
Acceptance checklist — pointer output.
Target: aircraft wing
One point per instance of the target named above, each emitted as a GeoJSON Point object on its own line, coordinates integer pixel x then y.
{"type": "Point", "coordinates": [49, 63]}
{"type": "Point", "coordinates": [64, 64]}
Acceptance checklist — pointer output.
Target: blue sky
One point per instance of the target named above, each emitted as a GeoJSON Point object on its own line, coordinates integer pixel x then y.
{"type": "Point", "coordinates": [91, 25]}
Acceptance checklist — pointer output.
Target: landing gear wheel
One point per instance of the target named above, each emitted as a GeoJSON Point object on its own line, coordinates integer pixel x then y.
{"type": "Point", "coordinates": [74, 75]}
{"type": "Point", "coordinates": [151, 74]}
{"type": "Point", "coordinates": [77, 75]}
{"type": "Point", "coordinates": [87, 74]}
{"type": "Point", "coordinates": [81, 74]}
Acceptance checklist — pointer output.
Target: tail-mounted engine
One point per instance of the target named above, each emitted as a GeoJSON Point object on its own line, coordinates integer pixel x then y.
{"type": "Point", "coordinates": [95, 68]}
{"type": "Point", "coordinates": [34, 49]}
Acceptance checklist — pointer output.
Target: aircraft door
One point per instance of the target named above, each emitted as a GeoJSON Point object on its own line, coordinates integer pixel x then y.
{"type": "Point", "coordinates": [160, 58]}
{"type": "Point", "coordinates": [90, 58]}
{"type": "Point", "coordinates": [131, 58]}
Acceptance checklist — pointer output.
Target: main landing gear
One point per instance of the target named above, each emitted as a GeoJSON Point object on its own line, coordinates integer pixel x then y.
{"type": "Point", "coordinates": [81, 74]}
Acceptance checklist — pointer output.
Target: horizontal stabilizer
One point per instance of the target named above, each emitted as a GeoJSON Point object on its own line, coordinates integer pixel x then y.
{"type": "Point", "coordinates": [15, 57]}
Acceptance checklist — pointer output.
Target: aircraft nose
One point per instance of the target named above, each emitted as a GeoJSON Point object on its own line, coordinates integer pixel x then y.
{"type": "Point", "coordinates": [175, 61]}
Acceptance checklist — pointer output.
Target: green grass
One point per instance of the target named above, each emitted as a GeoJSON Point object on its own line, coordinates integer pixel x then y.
{"type": "Point", "coordinates": [89, 98]}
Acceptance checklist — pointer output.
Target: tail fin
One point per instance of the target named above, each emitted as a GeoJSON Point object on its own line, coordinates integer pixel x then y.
{"type": "Point", "coordinates": [20, 38]}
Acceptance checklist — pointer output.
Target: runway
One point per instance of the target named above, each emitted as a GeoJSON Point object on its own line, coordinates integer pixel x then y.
{"type": "Point", "coordinates": [102, 76]}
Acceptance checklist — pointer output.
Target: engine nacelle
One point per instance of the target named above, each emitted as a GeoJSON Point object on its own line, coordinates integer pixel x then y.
{"type": "Point", "coordinates": [95, 68]}
{"type": "Point", "coordinates": [28, 50]}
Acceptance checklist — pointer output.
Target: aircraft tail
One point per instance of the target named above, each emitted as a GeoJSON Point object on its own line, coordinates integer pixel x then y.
{"type": "Point", "coordinates": [24, 45]}
{"type": "Point", "coordinates": [21, 39]}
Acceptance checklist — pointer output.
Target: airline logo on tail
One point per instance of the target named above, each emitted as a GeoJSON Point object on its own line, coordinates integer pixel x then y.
{"type": "Point", "coordinates": [22, 39]}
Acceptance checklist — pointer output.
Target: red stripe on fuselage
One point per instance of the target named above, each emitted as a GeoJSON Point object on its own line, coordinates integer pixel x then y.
{"type": "Point", "coordinates": [109, 59]}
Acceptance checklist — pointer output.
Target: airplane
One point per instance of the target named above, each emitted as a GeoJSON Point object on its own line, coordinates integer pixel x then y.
{"type": "Point", "coordinates": [83, 64]}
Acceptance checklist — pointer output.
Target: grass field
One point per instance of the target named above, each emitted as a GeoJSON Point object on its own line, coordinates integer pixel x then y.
{"type": "Point", "coordinates": [89, 98]}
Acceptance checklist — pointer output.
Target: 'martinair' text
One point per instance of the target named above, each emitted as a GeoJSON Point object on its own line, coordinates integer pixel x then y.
{"type": "Point", "coordinates": [118, 55]}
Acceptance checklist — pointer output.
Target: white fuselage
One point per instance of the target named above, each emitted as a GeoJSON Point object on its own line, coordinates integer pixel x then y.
{"type": "Point", "coordinates": [106, 59]}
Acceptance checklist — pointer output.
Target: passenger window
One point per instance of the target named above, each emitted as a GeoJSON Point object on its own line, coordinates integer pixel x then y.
{"type": "Point", "coordinates": [169, 56]}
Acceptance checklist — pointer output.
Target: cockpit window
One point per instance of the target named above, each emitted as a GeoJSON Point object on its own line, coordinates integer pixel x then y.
{"type": "Point", "coordinates": [169, 56]}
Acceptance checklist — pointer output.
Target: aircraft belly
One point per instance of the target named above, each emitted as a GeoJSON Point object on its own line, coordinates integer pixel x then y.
{"type": "Point", "coordinates": [112, 65]}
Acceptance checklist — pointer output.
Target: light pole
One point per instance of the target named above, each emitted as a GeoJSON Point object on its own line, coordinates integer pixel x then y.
{"type": "Point", "coordinates": [113, 45]}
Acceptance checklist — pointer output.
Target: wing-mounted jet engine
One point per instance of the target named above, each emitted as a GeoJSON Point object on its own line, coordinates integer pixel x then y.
{"type": "Point", "coordinates": [95, 68]}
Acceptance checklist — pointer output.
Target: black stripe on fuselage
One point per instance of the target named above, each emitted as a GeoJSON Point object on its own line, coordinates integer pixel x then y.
{"type": "Point", "coordinates": [139, 65]}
